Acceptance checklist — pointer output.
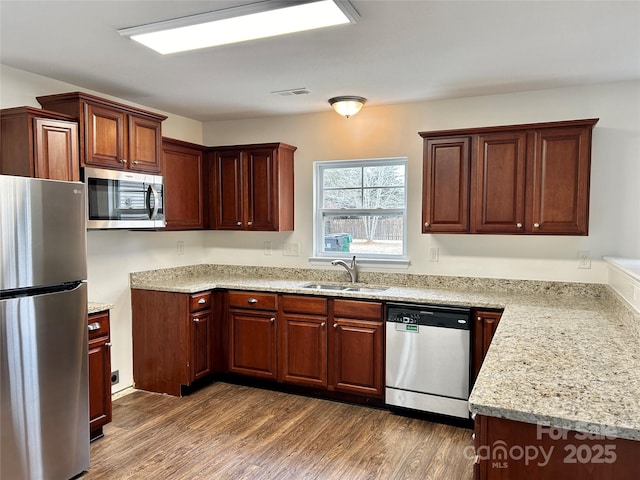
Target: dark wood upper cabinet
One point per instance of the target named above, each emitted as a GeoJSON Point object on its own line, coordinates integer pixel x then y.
{"type": "Point", "coordinates": [446, 166]}
{"type": "Point", "coordinates": [38, 143]}
{"type": "Point", "coordinates": [112, 135]}
{"type": "Point", "coordinates": [252, 187]}
{"type": "Point", "coordinates": [530, 179]}
{"type": "Point", "coordinates": [182, 167]}
{"type": "Point", "coordinates": [561, 165]}
{"type": "Point", "coordinates": [499, 182]}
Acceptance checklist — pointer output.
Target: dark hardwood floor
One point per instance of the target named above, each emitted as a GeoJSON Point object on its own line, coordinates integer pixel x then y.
{"type": "Point", "coordinates": [226, 431]}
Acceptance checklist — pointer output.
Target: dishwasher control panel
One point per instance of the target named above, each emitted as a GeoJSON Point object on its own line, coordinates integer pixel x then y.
{"type": "Point", "coordinates": [430, 315]}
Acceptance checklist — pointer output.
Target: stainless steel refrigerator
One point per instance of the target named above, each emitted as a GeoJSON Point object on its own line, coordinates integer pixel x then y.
{"type": "Point", "coordinates": [43, 329]}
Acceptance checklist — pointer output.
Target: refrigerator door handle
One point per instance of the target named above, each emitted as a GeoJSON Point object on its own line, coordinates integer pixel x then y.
{"type": "Point", "coordinates": [153, 211]}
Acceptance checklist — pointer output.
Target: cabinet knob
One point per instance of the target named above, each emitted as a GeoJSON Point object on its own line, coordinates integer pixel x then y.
{"type": "Point", "coordinates": [94, 326]}
{"type": "Point", "coordinates": [426, 224]}
{"type": "Point", "coordinates": [519, 225]}
{"type": "Point", "coordinates": [108, 344]}
{"type": "Point", "coordinates": [252, 301]}
{"type": "Point", "coordinates": [479, 319]}
{"type": "Point", "coordinates": [135, 162]}
{"type": "Point", "coordinates": [201, 301]}
{"type": "Point", "coordinates": [322, 324]}
{"type": "Point", "coordinates": [335, 325]}
{"type": "Point", "coordinates": [249, 223]}
{"type": "Point", "coordinates": [123, 160]}
{"type": "Point", "coordinates": [272, 319]}
{"type": "Point", "coordinates": [196, 320]}
{"type": "Point", "coordinates": [537, 225]}
{"type": "Point", "coordinates": [239, 224]}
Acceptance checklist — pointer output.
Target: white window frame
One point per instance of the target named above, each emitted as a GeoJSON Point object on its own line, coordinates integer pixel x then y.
{"type": "Point", "coordinates": [318, 242]}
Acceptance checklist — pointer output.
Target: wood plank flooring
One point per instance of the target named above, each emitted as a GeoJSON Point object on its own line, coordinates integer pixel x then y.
{"type": "Point", "coordinates": [226, 431]}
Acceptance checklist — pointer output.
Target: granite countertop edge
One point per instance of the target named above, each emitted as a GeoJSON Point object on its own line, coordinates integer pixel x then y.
{"type": "Point", "coordinates": [520, 395]}
{"type": "Point", "coordinates": [97, 307]}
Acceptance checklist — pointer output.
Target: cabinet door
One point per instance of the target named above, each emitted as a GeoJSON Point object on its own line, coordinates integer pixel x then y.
{"type": "Point", "coordinates": [183, 187]}
{"type": "Point", "coordinates": [356, 356]}
{"type": "Point", "coordinates": [499, 172]}
{"type": "Point", "coordinates": [252, 343]}
{"type": "Point", "coordinates": [145, 144]}
{"type": "Point", "coordinates": [201, 343]}
{"type": "Point", "coordinates": [99, 384]}
{"type": "Point", "coordinates": [99, 373]}
{"type": "Point", "coordinates": [228, 190]}
{"type": "Point", "coordinates": [445, 203]}
{"type": "Point", "coordinates": [560, 187]}
{"type": "Point", "coordinates": [260, 198]}
{"type": "Point", "coordinates": [484, 327]}
{"type": "Point", "coordinates": [304, 350]}
{"type": "Point", "coordinates": [56, 150]}
{"type": "Point", "coordinates": [104, 141]}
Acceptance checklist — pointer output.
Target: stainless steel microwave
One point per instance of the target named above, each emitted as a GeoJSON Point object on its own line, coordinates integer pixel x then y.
{"type": "Point", "coordinates": [118, 199]}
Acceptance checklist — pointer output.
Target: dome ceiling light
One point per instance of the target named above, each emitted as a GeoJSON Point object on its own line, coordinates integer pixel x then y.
{"type": "Point", "coordinates": [347, 105]}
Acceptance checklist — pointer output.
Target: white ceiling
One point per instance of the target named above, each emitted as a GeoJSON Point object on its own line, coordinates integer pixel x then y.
{"type": "Point", "coordinates": [399, 51]}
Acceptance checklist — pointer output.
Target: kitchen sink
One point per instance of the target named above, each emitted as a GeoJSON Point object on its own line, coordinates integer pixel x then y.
{"type": "Point", "coordinates": [365, 289]}
{"type": "Point", "coordinates": [343, 288]}
{"type": "Point", "coordinates": [324, 286]}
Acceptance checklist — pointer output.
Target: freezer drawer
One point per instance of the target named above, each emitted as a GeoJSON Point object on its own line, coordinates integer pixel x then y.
{"type": "Point", "coordinates": [44, 385]}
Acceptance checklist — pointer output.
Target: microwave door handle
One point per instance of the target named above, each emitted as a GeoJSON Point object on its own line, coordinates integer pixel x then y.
{"type": "Point", "coordinates": [152, 191]}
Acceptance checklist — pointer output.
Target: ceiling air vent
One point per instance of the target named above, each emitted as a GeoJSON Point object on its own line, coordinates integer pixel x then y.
{"type": "Point", "coordinates": [291, 91]}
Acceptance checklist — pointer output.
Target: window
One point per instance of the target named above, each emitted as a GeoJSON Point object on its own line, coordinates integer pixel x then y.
{"type": "Point", "coordinates": [360, 208]}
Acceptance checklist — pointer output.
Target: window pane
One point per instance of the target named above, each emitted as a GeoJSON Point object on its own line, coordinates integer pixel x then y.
{"type": "Point", "coordinates": [342, 198]}
{"type": "Point", "coordinates": [384, 176]}
{"type": "Point", "coordinates": [342, 177]}
{"type": "Point", "coordinates": [364, 234]}
{"type": "Point", "coordinates": [383, 198]}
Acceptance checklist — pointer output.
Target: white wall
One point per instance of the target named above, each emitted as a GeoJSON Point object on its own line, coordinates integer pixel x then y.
{"type": "Point", "coordinates": [377, 132]}
{"type": "Point", "coordinates": [393, 131]}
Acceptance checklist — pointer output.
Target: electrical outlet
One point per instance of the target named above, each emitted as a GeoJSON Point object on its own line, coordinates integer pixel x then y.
{"type": "Point", "coordinates": [115, 377]}
{"type": "Point", "coordinates": [267, 248]}
{"type": "Point", "coordinates": [584, 259]}
{"type": "Point", "coordinates": [180, 247]}
{"type": "Point", "coordinates": [434, 254]}
{"type": "Point", "coordinates": [291, 249]}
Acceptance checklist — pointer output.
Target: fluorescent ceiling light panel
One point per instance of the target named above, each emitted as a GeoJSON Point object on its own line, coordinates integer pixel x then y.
{"type": "Point", "coordinates": [239, 24]}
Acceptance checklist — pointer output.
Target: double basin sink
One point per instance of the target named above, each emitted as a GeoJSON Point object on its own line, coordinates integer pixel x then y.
{"type": "Point", "coordinates": [343, 288]}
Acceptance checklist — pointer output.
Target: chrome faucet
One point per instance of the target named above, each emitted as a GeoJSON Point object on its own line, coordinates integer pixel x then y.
{"type": "Point", "coordinates": [352, 269]}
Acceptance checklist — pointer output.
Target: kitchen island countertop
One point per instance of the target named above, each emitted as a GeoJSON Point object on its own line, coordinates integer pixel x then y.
{"type": "Point", "coordinates": [565, 355]}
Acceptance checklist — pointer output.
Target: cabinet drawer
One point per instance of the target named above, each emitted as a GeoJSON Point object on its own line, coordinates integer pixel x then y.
{"type": "Point", "coordinates": [98, 325]}
{"type": "Point", "coordinates": [253, 300]}
{"type": "Point", "coordinates": [200, 301]}
{"type": "Point", "coordinates": [357, 309]}
{"type": "Point", "coordinates": [300, 304]}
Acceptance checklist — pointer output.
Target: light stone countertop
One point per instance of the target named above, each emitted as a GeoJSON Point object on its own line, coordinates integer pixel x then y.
{"type": "Point", "coordinates": [564, 355]}
{"type": "Point", "coordinates": [95, 307]}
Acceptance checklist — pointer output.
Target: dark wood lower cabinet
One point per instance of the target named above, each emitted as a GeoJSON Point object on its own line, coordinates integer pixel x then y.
{"type": "Point", "coordinates": [356, 343]}
{"type": "Point", "coordinates": [303, 341]}
{"type": "Point", "coordinates": [485, 323]}
{"type": "Point", "coordinates": [173, 339]}
{"type": "Point", "coordinates": [252, 334]}
{"type": "Point", "coordinates": [99, 373]}
{"type": "Point", "coordinates": [508, 449]}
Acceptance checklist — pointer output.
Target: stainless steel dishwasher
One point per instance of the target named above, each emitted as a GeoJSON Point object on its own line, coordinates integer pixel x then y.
{"type": "Point", "coordinates": [427, 359]}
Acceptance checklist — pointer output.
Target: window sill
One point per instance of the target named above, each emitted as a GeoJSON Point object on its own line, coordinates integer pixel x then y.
{"type": "Point", "coordinates": [363, 262]}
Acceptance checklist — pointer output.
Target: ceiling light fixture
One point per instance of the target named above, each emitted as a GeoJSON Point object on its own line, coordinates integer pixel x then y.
{"type": "Point", "coordinates": [242, 23]}
{"type": "Point", "coordinates": [347, 105]}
